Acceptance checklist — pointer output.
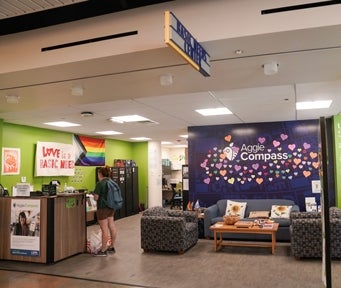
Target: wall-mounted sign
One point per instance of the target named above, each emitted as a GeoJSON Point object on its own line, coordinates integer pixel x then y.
{"type": "Point", "coordinates": [182, 41]}
{"type": "Point", "coordinates": [54, 159]}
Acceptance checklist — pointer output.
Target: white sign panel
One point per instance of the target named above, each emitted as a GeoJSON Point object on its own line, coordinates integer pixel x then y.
{"type": "Point", "coordinates": [55, 159]}
{"type": "Point", "coordinates": [25, 227]}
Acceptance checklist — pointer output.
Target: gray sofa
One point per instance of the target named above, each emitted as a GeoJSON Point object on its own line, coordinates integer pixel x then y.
{"type": "Point", "coordinates": [215, 213]}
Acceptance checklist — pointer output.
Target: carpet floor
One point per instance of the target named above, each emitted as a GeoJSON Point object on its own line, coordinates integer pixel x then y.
{"type": "Point", "coordinates": [200, 266]}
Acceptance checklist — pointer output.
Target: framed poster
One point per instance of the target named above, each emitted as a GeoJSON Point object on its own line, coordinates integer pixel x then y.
{"type": "Point", "coordinates": [10, 161]}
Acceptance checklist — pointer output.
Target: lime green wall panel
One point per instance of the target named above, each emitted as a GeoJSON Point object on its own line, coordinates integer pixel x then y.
{"type": "Point", "coordinates": [140, 155]}
{"type": "Point", "coordinates": [25, 138]}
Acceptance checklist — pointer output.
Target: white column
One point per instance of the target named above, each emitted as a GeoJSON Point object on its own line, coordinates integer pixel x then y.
{"type": "Point", "coordinates": [154, 174]}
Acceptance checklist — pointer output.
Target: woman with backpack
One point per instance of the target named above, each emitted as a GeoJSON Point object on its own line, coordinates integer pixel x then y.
{"type": "Point", "coordinates": [105, 214]}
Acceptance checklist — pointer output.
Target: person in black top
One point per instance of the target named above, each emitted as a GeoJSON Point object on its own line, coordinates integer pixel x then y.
{"type": "Point", "coordinates": [21, 228]}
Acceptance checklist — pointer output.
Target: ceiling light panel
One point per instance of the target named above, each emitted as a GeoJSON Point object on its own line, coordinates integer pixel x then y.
{"type": "Point", "coordinates": [140, 138]}
{"type": "Point", "coordinates": [62, 124]}
{"type": "Point", "coordinates": [214, 111]}
{"type": "Point", "coordinates": [323, 104]}
{"type": "Point", "coordinates": [109, 132]}
{"type": "Point", "coordinates": [128, 118]}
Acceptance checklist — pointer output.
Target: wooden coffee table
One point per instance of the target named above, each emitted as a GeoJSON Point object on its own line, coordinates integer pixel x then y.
{"type": "Point", "coordinates": [220, 228]}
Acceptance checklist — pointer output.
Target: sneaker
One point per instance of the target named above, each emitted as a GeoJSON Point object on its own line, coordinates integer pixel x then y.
{"type": "Point", "coordinates": [101, 253]}
{"type": "Point", "coordinates": [111, 250]}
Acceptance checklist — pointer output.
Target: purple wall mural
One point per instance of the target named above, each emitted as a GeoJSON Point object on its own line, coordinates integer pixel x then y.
{"type": "Point", "coordinates": [259, 160]}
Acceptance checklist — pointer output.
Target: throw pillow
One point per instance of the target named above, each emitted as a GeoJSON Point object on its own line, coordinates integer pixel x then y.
{"type": "Point", "coordinates": [280, 211]}
{"type": "Point", "coordinates": [234, 208]}
{"type": "Point", "coordinates": [259, 214]}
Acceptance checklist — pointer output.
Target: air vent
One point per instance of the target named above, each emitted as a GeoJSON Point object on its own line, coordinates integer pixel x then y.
{"type": "Point", "coordinates": [91, 40]}
{"type": "Point", "coordinates": [300, 7]}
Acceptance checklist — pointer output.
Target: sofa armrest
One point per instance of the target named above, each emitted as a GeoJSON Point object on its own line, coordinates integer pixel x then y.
{"type": "Point", "coordinates": [295, 208]}
{"type": "Point", "coordinates": [191, 216]}
{"type": "Point", "coordinates": [304, 215]}
{"type": "Point", "coordinates": [210, 213]}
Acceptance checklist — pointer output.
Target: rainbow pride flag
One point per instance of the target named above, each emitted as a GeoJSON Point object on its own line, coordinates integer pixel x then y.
{"type": "Point", "coordinates": [89, 151]}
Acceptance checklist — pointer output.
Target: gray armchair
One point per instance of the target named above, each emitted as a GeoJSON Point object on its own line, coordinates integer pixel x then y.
{"type": "Point", "coordinates": [168, 230]}
{"type": "Point", "coordinates": [306, 234]}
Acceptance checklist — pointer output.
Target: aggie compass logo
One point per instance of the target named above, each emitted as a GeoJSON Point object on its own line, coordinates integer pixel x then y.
{"type": "Point", "coordinates": [262, 161]}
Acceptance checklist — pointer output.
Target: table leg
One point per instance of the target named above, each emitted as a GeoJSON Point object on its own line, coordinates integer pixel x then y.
{"type": "Point", "coordinates": [215, 241]}
{"type": "Point", "coordinates": [273, 242]}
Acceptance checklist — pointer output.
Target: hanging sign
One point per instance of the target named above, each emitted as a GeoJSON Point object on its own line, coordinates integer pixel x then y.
{"type": "Point", "coordinates": [54, 159]}
{"type": "Point", "coordinates": [182, 41]}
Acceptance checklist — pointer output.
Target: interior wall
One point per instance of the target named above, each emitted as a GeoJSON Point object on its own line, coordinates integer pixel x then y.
{"type": "Point", "coordinates": [256, 160]}
{"type": "Point", "coordinates": [25, 138]}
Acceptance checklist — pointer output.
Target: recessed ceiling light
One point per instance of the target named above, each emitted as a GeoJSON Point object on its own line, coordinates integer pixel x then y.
{"type": "Point", "coordinates": [166, 143]}
{"type": "Point", "coordinates": [140, 138]}
{"type": "Point", "coordinates": [109, 132]}
{"type": "Point", "coordinates": [238, 51]}
{"type": "Point", "coordinates": [214, 111]}
{"type": "Point", "coordinates": [62, 124]}
{"type": "Point", "coordinates": [322, 104]}
{"type": "Point", "coordinates": [184, 136]}
{"type": "Point", "coordinates": [128, 118]}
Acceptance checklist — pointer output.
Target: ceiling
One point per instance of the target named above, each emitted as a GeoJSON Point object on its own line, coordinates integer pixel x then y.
{"type": "Point", "coordinates": [130, 84]}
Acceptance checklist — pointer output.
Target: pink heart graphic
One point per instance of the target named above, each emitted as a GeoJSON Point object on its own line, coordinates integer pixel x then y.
{"type": "Point", "coordinates": [203, 164]}
{"type": "Point", "coordinates": [306, 145]}
{"type": "Point", "coordinates": [237, 167]}
{"type": "Point", "coordinates": [284, 137]}
{"type": "Point", "coordinates": [207, 181]}
{"type": "Point", "coordinates": [219, 165]}
{"type": "Point", "coordinates": [255, 166]}
{"type": "Point", "coordinates": [291, 147]}
{"type": "Point", "coordinates": [275, 143]}
{"type": "Point", "coordinates": [261, 140]}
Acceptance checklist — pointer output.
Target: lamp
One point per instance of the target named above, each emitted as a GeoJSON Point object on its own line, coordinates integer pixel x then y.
{"type": "Point", "coordinates": [270, 68]}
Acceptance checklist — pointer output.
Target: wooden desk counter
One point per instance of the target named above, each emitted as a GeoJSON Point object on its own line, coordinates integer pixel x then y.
{"type": "Point", "coordinates": [62, 228]}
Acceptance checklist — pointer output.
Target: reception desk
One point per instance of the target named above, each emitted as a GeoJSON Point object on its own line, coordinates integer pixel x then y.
{"type": "Point", "coordinates": [61, 232]}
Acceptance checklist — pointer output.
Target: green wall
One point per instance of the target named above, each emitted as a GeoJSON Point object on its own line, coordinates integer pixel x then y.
{"type": "Point", "coordinates": [25, 138]}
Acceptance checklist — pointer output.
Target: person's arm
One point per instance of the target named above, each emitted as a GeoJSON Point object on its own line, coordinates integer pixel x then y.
{"type": "Point", "coordinates": [97, 191]}
{"type": "Point", "coordinates": [96, 196]}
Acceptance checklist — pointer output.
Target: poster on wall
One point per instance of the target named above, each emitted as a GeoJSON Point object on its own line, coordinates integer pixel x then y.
{"type": "Point", "coordinates": [10, 161]}
{"type": "Point", "coordinates": [257, 160]}
{"type": "Point", "coordinates": [54, 159]}
{"type": "Point", "coordinates": [89, 151]}
{"type": "Point", "coordinates": [25, 227]}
